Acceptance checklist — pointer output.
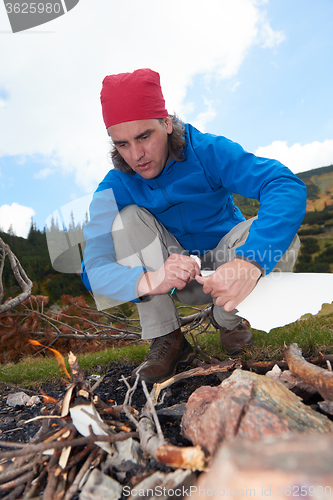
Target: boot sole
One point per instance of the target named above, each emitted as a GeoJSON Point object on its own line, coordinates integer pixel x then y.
{"type": "Point", "coordinates": [237, 350]}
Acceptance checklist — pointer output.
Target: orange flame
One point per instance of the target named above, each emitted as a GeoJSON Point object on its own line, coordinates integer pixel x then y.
{"type": "Point", "coordinates": [48, 399]}
{"type": "Point", "coordinates": [60, 358]}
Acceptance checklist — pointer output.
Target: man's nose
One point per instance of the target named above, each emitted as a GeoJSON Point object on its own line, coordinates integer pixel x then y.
{"type": "Point", "coordinates": [137, 152]}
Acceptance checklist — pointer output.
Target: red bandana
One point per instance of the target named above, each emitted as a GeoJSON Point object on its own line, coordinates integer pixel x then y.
{"type": "Point", "coordinates": [132, 96]}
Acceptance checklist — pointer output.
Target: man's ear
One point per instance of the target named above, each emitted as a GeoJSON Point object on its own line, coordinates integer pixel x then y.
{"type": "Point", "coordinates": [168, 124]}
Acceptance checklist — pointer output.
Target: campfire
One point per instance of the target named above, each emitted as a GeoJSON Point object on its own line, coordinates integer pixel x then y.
{"type": "Point", "coordinates": [87, 448]}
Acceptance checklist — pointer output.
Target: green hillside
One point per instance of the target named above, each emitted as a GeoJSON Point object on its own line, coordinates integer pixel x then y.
{"type": "Point", "coordinates": [319, 185]}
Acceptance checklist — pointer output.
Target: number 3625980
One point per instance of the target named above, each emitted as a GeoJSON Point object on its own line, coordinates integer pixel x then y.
{"type": "Point", "coordinates": [33, 8]}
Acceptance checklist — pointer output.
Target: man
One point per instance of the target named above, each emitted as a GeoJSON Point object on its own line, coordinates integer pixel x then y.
{"type": "Point", "coordinates": [169, 198]}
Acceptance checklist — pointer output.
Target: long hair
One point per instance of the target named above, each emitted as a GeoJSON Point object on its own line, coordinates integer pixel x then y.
{"type": "Point", "coordinates": [176, 143]}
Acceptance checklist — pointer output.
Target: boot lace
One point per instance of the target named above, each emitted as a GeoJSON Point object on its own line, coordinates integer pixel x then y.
{"type": "Point", "coordinates": [158, 348]}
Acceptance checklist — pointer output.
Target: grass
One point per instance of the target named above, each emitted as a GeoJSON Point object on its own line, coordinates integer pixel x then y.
{"type": "Point", "coordinates": [36, 370]}
{"type": "Point", "coordinates": [313, 334]}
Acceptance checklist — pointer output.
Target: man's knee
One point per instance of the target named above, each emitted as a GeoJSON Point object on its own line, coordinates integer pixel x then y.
{"type": "Point", "coordinates": [129, 215]}
{"type": "Point", "coordinates": [288, 260]}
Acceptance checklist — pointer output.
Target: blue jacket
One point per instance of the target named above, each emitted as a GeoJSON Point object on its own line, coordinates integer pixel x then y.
{"type": "Point", "coordinates": [193, 200]}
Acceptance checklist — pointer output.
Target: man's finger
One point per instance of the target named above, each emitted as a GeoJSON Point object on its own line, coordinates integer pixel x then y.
{"type": "Point", "coordinates": [201, 279]}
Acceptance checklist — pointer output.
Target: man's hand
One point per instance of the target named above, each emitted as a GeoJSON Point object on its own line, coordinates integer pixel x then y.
{"type": "Point", "coordinates": [177, 271]}
{"type": "Point", "coordinates": [231, 283]}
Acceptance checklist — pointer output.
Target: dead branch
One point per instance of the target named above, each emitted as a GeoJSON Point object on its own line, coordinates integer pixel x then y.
{"type": "Point", "coordinates": [318, 377]}
{"type": "Point", "coordinates": [75, 485]}
{"type": "Point", "coordinates": [197, 317]}
{"type": "Point", "coordinates": [59, 445]}
{"type": "Point", "coordinates": [223, 366]}
{"type": "Point", "coordinates": [22, 279]}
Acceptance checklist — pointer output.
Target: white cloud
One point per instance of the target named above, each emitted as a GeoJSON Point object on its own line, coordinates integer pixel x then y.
{"type": "Point", "coordinates": [43, 173]}
{"type": "Point", "coordinates": [233, 87]}
{"type": "Point", "coordinates": [204, 117]}
{"type": "Point", "coordinates": [17, 216]}
{"type": "Point", "coordinates": [297, 157]}
{"type": "Point", "coordinates": [270, 38]}
{"type": "Point", "coordinates": [54, 78]}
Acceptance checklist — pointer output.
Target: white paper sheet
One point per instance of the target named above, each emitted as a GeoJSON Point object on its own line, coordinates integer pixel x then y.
{"type": "Point", "coordinates": [282, 298]}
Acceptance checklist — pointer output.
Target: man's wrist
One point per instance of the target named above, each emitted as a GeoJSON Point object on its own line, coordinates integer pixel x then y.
{"type": "Point", "coordinates": [144, 287]}
{"type": "Point", "coordinates": [253, 262]}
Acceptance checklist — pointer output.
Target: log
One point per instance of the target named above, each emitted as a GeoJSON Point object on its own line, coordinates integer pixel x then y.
{"type": "Point", "coordinates": [318, 377]}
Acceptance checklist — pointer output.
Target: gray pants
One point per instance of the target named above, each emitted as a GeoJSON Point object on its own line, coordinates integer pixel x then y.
{"type": "Point", "coordinates": [140, 239]}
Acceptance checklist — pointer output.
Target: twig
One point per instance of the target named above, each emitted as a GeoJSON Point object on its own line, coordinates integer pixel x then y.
{"type": "Point", "coordinates": [197, 317]}
{"type": "Point", "coordinates": [22, 279]}
{"type": "Point", "coordinates": [57, 445]}
{"type": "Point", "coordinates": [127, 400]}
{"type": "Point", "coordinates": [11, 473]}
{"type": "Point", "coordinates": [10, 485]}
{"type": "Point", "coordinates": [75, 485]}
{"type": "Point", "coordinates": [152, 409]}
{"type": "Point", "coordinates": [223, 366]}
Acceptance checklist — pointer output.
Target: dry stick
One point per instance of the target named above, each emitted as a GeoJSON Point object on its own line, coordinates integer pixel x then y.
{"type": "Point", "coordinates": [223, 366]}
{"type": "Point", "coordinates": [15, 494]}
{"type": "Point", "coordinates": [102, 328]}
{"type": "Point", "coordinates": [38, 464]}
{"type": "Point", "coordinates": [152, 409]}
{"type": "Point", "coordinates": [15, 482]}
{"type": "Point", "coordinates": [11, 473]}
{"type": "Point", "coordinates": [22, 279]}
{"type": "Point", "coordinates": [75, 485]}
{"type": "Point", "coordinates": [2, 265]}
{"type": "Point", "coordinates": [318, 377]}
{"type": "Point", "coordinates": [34, 488]}
{"type": "Point", "coordinates": [209, 359]}
{"type": "Point", "coordinates": [199, 316]}
{"type": "Point", "coordinates": [57, 445]}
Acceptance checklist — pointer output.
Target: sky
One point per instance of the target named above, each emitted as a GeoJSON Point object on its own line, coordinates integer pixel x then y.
{"type": "Point", "coordinates": [259, 72]}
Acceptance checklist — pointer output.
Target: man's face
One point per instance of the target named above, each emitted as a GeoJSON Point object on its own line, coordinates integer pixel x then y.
{"type": "Point", "coordinates": [143, 144]}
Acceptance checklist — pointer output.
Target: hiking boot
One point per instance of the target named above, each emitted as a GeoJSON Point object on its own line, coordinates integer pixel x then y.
{"type": "Point", "coordinates": [236, 340]}
{"type": "Point", "coordinates": [165, 353]}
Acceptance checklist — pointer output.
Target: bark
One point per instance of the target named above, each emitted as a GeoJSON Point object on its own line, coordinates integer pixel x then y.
{"type": "Point", "coordinates": [318, 377]}
{"type": "Point", "coordinates": [174, 456]}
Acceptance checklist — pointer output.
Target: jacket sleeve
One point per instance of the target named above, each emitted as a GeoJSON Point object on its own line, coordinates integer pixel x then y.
{"type": "Point", "coordinates": [281, 194]}
{"type": "Point", "coordinates": [100, 272]}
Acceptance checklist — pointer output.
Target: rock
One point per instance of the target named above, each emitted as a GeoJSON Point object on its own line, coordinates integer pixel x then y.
{"type": "Point", "coordinates": [276, 467]}
{"type": "Point", "coordinates": [99, 486]}
{"type": "Point", "coordinates": [126, 455]}
{"type": "Point", "coordinates": [34, 400]}
{"type": "Point", "coordinates": [162, 486]}
{"type": "Point", "coordinates": [292, 382]}
{"type": "Point", "coordinates": [326, 407]}
{"type": "Point", "coordinates": [17, 399]}
{"type": "Point", "coordinates": [250, 406]}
